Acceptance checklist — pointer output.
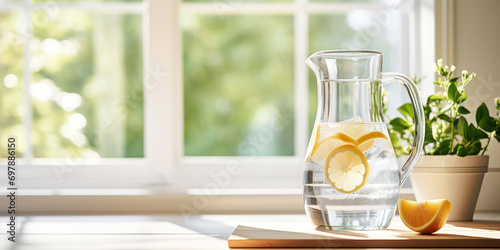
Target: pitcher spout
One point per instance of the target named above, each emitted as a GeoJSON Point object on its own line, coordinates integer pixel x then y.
{"type": "Point", "coordinates": [313, 61]}
{"type": "Point", "coordinates": [330, 65]}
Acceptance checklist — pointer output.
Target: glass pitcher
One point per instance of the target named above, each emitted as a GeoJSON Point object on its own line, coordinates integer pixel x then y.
{"type": "Point", "coordinates": [351, 176]}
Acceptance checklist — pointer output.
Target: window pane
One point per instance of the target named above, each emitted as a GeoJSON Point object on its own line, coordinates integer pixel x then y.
{"type": "Point", "coordinates": [238, 85]}
{"type": "Point", "coordinates": [87, 85]}
{"type": "Point", "coordinates": [360, 29]}
{"type": "Point", "coordinates": [11, 82]}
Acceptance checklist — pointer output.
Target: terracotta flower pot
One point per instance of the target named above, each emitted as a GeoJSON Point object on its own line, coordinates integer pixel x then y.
{"type": "Point", "coordinates": [455, 178]}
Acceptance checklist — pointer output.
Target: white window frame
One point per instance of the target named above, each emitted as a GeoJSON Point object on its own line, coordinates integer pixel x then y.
{"type": "Point", "coordinates": [164, 163]}
{"type": "Point", "coordinates": [286, 171]}
{"type": "Point", "coordinates": [57, 173]}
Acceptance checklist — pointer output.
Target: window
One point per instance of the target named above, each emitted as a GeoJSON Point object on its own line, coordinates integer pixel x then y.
{"type": "Point", "coordinates": [72, 85]}
{"type": "Point", "coordinates": [131, 93]}
{"type": "Point", "coordinates": [84, 74]}
{"type": "Point", "coordinates": [244, 72]}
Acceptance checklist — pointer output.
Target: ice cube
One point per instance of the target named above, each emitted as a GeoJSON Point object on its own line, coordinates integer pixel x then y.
{"type": "Point", "coordinates": [378, 150]}
{"type": "Point", "coordinates": [354, 119]}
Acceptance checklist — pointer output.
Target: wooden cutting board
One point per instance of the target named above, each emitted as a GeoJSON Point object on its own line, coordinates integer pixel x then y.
{"type": "Point", "coordinates": [476, 234]}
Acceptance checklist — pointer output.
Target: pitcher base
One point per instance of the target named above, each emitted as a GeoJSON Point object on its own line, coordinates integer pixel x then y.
{"type": "Point", "coordinates": [330, 220]}
{"type": "Point", "coordinates": [329, 229]}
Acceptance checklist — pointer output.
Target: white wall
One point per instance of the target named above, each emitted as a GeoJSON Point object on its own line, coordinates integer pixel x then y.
{"type": "Point", "coordinates": [472, 42]}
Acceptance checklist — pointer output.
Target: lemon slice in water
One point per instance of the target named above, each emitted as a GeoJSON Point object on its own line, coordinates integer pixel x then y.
{"type": "Point", "coordinates": [326, 146]}
{"type": "Point", "coordinates": [346, 169]}
{"type": "Point", "coordinates": [367, 141]}
{"type": "Point", "coordinates": [313, 144]}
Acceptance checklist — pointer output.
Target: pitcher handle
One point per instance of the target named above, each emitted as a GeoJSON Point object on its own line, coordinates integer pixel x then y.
{"type": "Point", "coordinates": [418, 113]}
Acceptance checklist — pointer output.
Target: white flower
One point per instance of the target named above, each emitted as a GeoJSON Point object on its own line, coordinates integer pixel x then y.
{"type": "Point", "coordinates": [453, 68]}
{"type": "Point", "coordinates": [465, 75]}
{"type": "Point", "coordinates": [435, 130]}
{"type": "Point", "coordinates": [440, 63]}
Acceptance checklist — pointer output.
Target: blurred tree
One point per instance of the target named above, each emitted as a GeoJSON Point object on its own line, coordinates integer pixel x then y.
{"type": "Point", "coordinates": [238, 76]}
{"type": "Point", "coordinates": [74, 78]}
{"type": "Point", "coordinates": [11, 83]}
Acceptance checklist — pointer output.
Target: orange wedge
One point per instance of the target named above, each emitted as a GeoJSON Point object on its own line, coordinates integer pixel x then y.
{"type": "Point", "coordinates": [425, 217]}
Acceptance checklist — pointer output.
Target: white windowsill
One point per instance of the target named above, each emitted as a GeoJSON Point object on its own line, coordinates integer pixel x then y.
{"type": "Point", "coordinates": [166, 201]}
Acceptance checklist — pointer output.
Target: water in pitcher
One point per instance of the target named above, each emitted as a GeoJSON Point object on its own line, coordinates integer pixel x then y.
{"type": "Point", "coordinates": [351, 177]}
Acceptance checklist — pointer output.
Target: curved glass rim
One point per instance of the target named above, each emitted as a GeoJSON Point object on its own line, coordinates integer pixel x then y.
{"type": "Point", "coordinates": [347, 53]}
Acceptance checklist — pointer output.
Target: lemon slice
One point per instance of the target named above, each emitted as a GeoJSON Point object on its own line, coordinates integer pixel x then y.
{"type": "Point", "coordinates": [346, 169]}
{"type": "Point", "coordinates": [354, 127]}
{"type": "Point", "coordinates": [329, 144]}
{"type": "Point", "coordinates": [367, 141]}
{"type": "Point", "coordinates": [313, 144]}
{"type": "Point", "coordinates": [425, 217]}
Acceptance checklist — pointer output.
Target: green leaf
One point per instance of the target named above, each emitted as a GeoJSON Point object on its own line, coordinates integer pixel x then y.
{"type": "Point", "coordinates": [477, 134]}
{"type": "Point", "coordinates": [447, 129]}
{"type": "Point", "coordinates": [462, 110]}
{"type": "Point", "coordinates": [428, 134]}
{"type": "Point", "coordinates": [456, 96]}
{"type": "Point", "coordinates": [488, 124]}
{"type": "Point", "coordinates": [394, 137]}
{"type": "Point", "coordinates": [398, 129]}
{"type": "Point", "coordinates": [396, 142]}
{"type": "Point", "coordinates": [462, 97]}
{"type": "Point", "coordinates": [434, 98]}
{"type": "Point", "coordinates": [427, 112]}
{"type": "Point", "coordinates": [454, 79]}
{"type": "Point", "coordinates": [462, 127]}
{"type": "Point", "coordinates": [407, 110]}
{"type": "Point", "coordinates": [443, 148]}
{"type": "Point", "coordinates": [444, 117]}
{"type": "Point", "coordinates": [461, 151]}
{"type": "Point", "coordinates": [455, 149]}
{"type": "Point", "coordinates": [474, 148]}
{"type": "Point", "coordinates": [481, 112]}
{"type": "Point", "coordinates": [453, 93]}
{"type": "Point", "coordinates": [399, 124]}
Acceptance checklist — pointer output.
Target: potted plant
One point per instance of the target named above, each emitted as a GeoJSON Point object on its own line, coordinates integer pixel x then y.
{"type": "Point", "coordinates": [454, 163]}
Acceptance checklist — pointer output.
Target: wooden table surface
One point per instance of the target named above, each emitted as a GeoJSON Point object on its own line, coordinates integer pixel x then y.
{"type": "Point", "coordinates": [143, 231]}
